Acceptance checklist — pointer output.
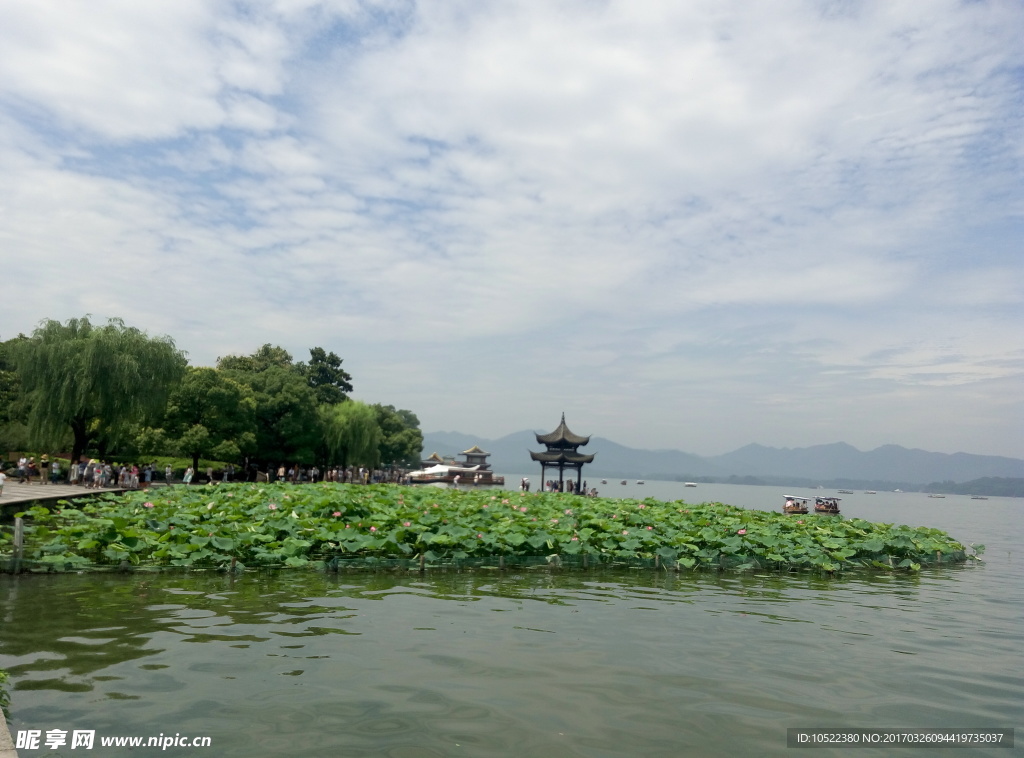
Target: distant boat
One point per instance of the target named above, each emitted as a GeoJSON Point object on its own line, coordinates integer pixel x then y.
{"type": "Point", "coordinates": [639, 481]}
{"type": "Point", "coordinates": [845, 492]}
{"type": "Point", "coordinates": [936, 496]}
{"type": "Point", "coordinates": [689, 484]}
{"type": "Point", "coordinates": [870, 492]}
{"type": "Point", "coordinates": [604, 481]}
{"type": "Point", "coordinates": [623, 481]}
{"type": "Point", "coordinates": [897, 490]}
{"type": "Point", "coordinates": [978, 497]}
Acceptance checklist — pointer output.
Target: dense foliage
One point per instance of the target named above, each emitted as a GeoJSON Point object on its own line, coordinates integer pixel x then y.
{"type": "Point", "coordinates": [113, 392]}
{"type": "Point", "coordinates": [96, 381]}
{"type": "Point", "coordinates": [273, 525]}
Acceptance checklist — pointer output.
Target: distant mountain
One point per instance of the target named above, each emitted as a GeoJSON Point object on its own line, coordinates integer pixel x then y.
{"type": "Point", "coordinates": [889, 464]}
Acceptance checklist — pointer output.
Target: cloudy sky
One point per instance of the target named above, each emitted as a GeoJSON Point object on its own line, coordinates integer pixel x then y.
{"type": "Point", "coordinates": [688, 225]}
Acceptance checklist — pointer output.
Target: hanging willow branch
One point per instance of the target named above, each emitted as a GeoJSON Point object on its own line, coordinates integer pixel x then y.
{"type": "Point", "coordinates": [94, 379]}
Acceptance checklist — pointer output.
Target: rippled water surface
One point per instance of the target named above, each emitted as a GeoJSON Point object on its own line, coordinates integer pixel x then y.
{"type": "Point", "coordinates": [529, 663]}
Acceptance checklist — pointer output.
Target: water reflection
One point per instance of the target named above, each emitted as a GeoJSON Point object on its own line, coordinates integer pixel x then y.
{"type": "Point", "coordinates": [534, 663]}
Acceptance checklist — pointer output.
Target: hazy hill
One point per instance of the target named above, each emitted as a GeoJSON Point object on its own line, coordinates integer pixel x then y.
{"type": "Point", "coordinates": [819, 463]}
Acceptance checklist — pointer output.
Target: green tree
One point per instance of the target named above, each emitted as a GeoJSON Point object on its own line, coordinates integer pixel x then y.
{"type": "Point", "coordinates": [268, 356]}
{"type": "Point", "coordinates": [95, 380]}
{"type": "Point", "coordinates": [210, 414]}
{"type": "Point", "coordinates": [287, 423]}
{"type": "Point", "coordinates": [13, 409]}
{"type": "Point", "coordinates": [324, 373]}
{"type": "Point", "coordinates": [401, 441]}
{"type": "Point", "coordinates": [351, 433]}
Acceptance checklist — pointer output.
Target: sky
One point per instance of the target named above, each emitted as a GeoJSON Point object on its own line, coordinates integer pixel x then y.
{"type": "Point", "coordinates": [685, 225]}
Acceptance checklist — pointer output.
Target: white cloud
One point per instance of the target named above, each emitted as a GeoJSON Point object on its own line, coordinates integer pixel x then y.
{"type": "Point", "coordinates": [734, 211]}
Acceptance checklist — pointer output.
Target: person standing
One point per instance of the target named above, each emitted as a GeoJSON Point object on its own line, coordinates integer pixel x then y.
{"type": "Point", "coordinates": [44, 469]}
{"type": "Point", "coordinates": [188, 475]}
{"type": "Point", "coordinates": [168, 474]}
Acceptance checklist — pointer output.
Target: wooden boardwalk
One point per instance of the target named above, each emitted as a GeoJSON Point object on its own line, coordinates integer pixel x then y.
{"type": "Point", "coordinates": [17, 497]}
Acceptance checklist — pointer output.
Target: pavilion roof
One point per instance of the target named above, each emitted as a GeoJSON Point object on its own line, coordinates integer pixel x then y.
{"type": "Point", "coordinates": [561, 456]}
{"type": "Point", "coordinates": [562, 437]}
{"type": "Point", "coordinates": [475, 450]}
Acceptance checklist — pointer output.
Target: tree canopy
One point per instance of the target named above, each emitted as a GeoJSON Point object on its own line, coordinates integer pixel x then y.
{"type": "Point", "coordinates": [95, 380]}
{"type": "Point", "coordinates": [401, 441]}
{"type": "Point", "coordinates": [324, 374]}
{"type": "Point", "coordinates": [351, 433]}
{"type": "Point", "coordinates": [211, 414]}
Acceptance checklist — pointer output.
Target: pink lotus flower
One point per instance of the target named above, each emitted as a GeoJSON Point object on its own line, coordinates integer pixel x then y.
{"type": "Point", "coordinates": [495, 497]}
{"type": "Point", "coordinates": [504, 501]}
{"type": "Point", "coordinates": [741, 531]}
{"type": "Point", "coordinates": [625, 531]}
{"type": "Point", "coordinates": [554, 521]}
{"type": "Point", "coordinates": [484, 505]}
{"type": "Point", "coordinates": [272, 507]}
{"type": "Point", "coordinates": [799, 522]}
{"type": "Point", "coordinates": [479, 536]}
{"type": "Point", "coordinates": [523, 509]}
{"type": "Point", "coordinates": [336, 513]}
{"type": "Point", "coordinates": [568, 511]}
{"type": "Point", "coordinates": [407, 523]}
{"type": "Point", "coordinates": [348, 526]}
{"type": "Point", "coordinates": [575, 539]}
{"type": "Point", "coordinates": [373, 528]}
{"type": "Point", "coordinates": [650, 528]}
{"type": "Point", "coordinates": [148, 505]}
{"type": "Point", "coordinates": [641, 506]}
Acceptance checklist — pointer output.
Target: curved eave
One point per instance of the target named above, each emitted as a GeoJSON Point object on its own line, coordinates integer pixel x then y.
{"type": "Point", "coordinates": [562, 435]}
{"type": "Point", "coordinates": [561, 457]}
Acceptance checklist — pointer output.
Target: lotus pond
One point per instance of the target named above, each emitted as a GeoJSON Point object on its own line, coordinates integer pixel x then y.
{"type": "Point", "coordinates": [331, 526]}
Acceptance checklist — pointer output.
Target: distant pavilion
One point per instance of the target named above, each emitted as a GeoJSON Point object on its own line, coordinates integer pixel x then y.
{"type": "Point", "coordinates": [562, 454]}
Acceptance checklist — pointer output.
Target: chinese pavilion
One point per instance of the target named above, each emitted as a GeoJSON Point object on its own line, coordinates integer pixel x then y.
{"type": "Point", "coordinates": [562, 454]}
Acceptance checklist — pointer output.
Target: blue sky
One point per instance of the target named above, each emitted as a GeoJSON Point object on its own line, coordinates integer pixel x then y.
{"type": "Point", "coordinates": [687, 225]}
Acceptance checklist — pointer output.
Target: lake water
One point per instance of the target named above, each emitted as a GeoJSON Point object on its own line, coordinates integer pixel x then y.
{"type": "Point", "coordinates": [530, 663]}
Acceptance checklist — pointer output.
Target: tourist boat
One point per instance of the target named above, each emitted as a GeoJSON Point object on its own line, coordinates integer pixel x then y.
{"type": "Point", "coordinates": [604, 481]}
{"type": "Point", "coordinates": [468, 476]}
{"type": "Point", "coordinates": [795, 505]}
{"type": "Point", "coordinates": [978, 497]}
{"type": "Point", "coordinates": [845, 492]}
{"type": "Point", "coordinates": [826, 505]}
{"type": "Point", "coordinates": [639, 481]}
{"type": "Point", "coordinates": [689, 484]}
{"type": "Point", "coordinates": [870, 492]}
{"type": "Point", "coordinates": [936, 496]}
{"type": "Point", "coordinates": [623, 481]}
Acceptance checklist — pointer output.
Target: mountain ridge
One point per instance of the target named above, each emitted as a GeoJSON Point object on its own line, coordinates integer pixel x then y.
{"type": "Point", "coordinates": [835, 461]}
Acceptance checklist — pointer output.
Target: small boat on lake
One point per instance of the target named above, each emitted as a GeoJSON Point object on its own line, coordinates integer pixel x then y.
{"type": "Point", "coordinates": [604, 481]}
{"type": "Point", "coordinates": [639, 481]}
{"type": "Point", "coordinates": [936, 496]}
{"type": "Point", "coordinates": [795, 505]}
{"type": "Point", "coordinates": [623, 481]}
{"type": "Point", "coordinates": [827, 505]}
{"type": "Point", "coordinates": [870, 492]}
{"type": "Point", "coordinates": [689, 484]}
{"type": "Point", "coordinates": [845, 492]}
{"type": "Point", "coordinates": [978, 497]}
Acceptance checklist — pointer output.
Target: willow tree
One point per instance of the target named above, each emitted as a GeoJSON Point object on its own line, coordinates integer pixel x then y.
{"type": "Point", "coordinates": [95, 380]}
{"type": "Point", "coordinates": [351, 433]}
